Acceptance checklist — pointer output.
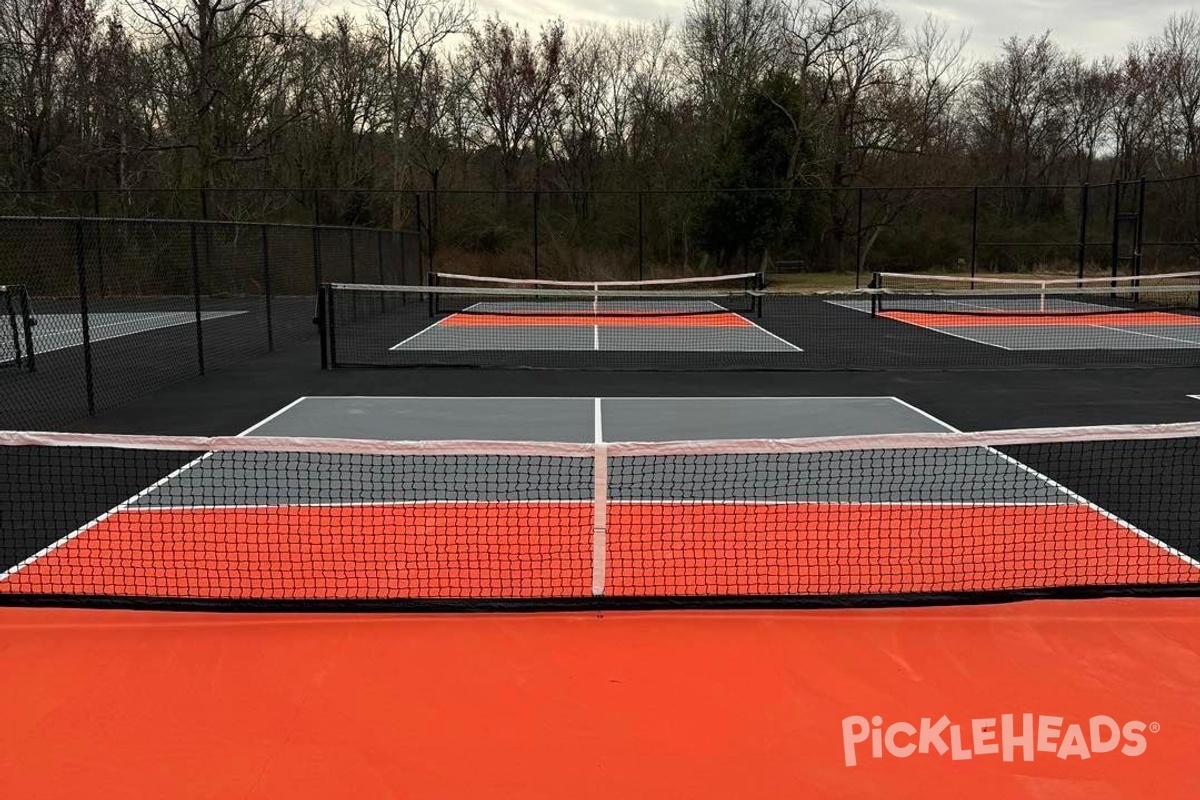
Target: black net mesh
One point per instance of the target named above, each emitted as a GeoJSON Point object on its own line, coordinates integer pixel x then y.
{"type": "Point", "coordinates": [907, 518]}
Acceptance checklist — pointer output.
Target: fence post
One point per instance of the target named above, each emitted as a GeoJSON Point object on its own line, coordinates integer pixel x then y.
{"type": "Point", "coordinates": [316, 242]}
{"type": "Point", "coordinates": [974, 234]}
{"type": "Point", "coordinates": [434, 203]}
{"type": "Point", "coordinates": [1084, 202]}
{"type": "Point", "coordinates": [379, 234]}
{"type": "Point", "coordinates": [536, 263]}
{"type": "Point", "coordinates": [858, 239]}
{"type": "Point", "coordinates": [417, 204]}
{"type": "Point", "coordinates": [99, 246]}
{"type": "Point", "coordinates": [353, 276]}
{"type": "Point", "coordinates": [641, 230]}
{"type": "Point", "coordinates": [1115, 257]}
{"type": "Point", "coordinates": [1139, 228]}
{"type": "Point", "coordinates": [266, 267]}
{"type": "Point", "coordinates": [196, 299]}
{"type": "Point", "coordinates": [84, 321]}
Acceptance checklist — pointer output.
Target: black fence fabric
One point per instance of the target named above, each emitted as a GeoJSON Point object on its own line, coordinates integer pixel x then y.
{"type": "Point", "coordinates": [118, 308]}
{"type": "Point", "coordinates": [892, 519]}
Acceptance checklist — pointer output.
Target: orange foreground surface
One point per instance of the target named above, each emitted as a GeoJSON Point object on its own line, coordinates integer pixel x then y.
{"type": "Point", "coordinates": [102, 704]}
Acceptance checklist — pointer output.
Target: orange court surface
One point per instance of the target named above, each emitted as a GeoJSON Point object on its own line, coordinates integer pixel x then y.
{"type": "Point", "coordinates": [683, 704]}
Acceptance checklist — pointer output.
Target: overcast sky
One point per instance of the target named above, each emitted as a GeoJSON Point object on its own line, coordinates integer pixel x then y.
{"type": "Point", "coordinates": [1094, 27]}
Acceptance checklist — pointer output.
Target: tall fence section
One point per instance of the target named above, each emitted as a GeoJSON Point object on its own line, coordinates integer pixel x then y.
{"type": "Point", "coordinates": [120, 307]}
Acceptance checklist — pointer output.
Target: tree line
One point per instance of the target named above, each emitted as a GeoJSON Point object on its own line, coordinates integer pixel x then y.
{"type": "Point", "coordinates": [813, 95]}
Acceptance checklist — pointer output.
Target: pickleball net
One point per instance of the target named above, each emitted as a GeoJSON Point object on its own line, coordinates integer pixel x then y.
{"type": "Point", "coordinates": [264, 522]}
{"type": "Point", "coordinates": [1176, 294]}
{"type": "Point", "coordinates": [743, 281]}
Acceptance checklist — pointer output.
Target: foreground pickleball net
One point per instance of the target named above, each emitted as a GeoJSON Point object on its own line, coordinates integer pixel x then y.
{"type": "Point", "coordinates": [322, 522]}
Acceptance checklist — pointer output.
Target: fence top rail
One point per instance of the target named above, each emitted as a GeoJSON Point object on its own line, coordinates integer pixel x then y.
{"type": "Point", "coordinates": [551, 191]}
{"type": "Point", "coordinates": [186, 221]}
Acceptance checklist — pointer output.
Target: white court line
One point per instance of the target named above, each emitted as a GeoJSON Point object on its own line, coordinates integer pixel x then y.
{"type": "Point", "coordinates": [50, 335]}
{"type": "Point", "coordinates": [1182, 556]}
{"type": "Point", "coordinates": [667, 501]}
{"type": "Point", "coordinates": [1142, 333]}
{"type": "Point", "coordinates": [759, 327]}
{"type": "Point", "coordinates": [1194, 396]}
{"type": "Point", "coordinates": [943, 331]}
{"type": "Point", "coordinates": [429, 327]}
{"type": "Point", "coordinates": [50, 548]}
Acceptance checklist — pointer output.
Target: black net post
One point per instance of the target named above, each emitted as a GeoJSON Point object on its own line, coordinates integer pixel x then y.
{"type": "Point", "coordinates": [264, 233]}
{"type": "Point", "coordinates": [858, 240]}
{"type": "Point", "coordinates": [331, 325]}
{"type": "Point", "coordinates": [537, 272]}
{"type": "Point", "coordinates": [84, 326]}
{"type": "Point", "coordinates": [1084, 202]}
{"type": "Point", "coordinates": [323, 326]}
{"type": "Point", "coordinates": [196, 299]}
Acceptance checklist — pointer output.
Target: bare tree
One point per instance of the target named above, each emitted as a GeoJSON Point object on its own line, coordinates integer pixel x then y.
{"type": "Point", "coordinates": [44, 45]}
{"type": "Point", "coordinates": [411, 32]}
{"type": "Point", "coordinates": [513, 80]}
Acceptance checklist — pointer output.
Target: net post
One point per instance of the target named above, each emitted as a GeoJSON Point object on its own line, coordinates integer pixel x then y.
{"type": "Point", "coordinates": [196, 299]}
{"type": "Point", "coordinates": [875, 284]}
{"type": "Point", "coordinates": [266, 274]}
{"type": "Point", "coordinates": [84, 320]}
{"type": "Point", "coordinates": [322, 327]}
{"type": "Point", "coordinates": [599, 517]}
{"type": "Point", "coordinates": [432, 279]}
{"type": "Point", "coordinates": [331, 324]}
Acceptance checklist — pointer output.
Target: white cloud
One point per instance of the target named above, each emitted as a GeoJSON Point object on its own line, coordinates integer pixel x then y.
{"type": "Point", "coordinates": [1093, 27]}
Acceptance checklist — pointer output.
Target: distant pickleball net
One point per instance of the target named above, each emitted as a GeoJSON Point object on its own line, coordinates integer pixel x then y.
{"type": "Point", "coordinates": [893, 518]}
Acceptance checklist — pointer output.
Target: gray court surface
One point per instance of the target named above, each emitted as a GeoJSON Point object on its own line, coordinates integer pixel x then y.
{"type": "Point", "coordinates": [1078, 335]}
{"type": "Point", "coordinates": [966, 475]}
{"type": "Point", "coordinates": [703, 332]}
{"type": "Point", "coordinates": [60, 331]}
